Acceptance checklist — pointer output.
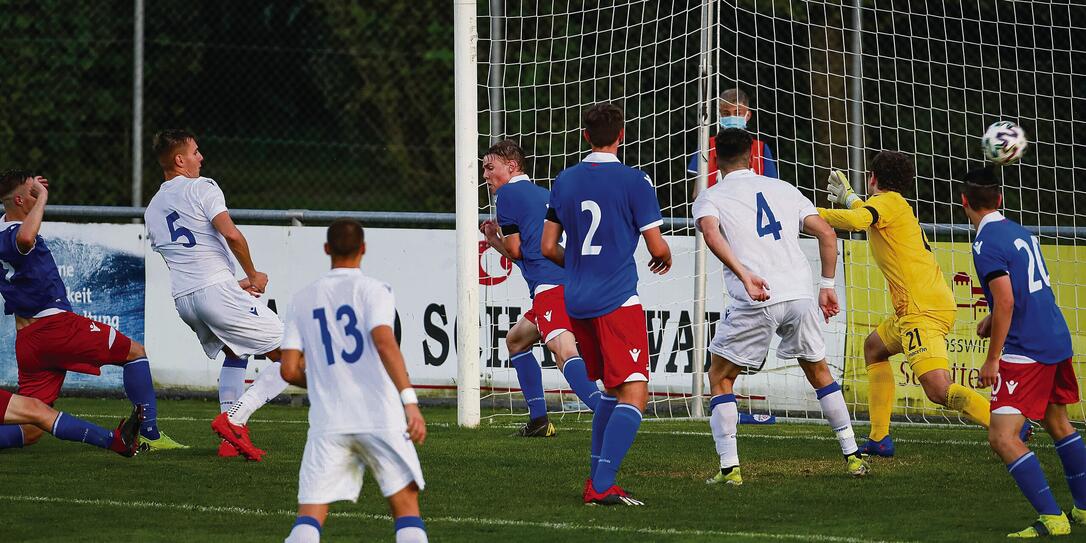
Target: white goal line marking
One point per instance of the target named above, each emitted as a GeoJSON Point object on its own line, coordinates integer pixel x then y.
{"type": "Point", "coordinates": [437, 520]}
{"type": "Point", "coordinates": [1033, 442]}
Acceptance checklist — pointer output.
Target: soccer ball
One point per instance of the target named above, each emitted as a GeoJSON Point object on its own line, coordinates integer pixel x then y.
{"type": "Point", "coordinates": [1004, 143]}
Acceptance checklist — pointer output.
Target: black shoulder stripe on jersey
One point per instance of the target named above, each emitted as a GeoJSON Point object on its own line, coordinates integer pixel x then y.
{"type": "Point", "coordinates": [510, 229]}
{"type": "Point", "coordinates": [874, 214]}
{"type": "Point", "coordinates": [552, 215]}
{"type": "Point", "coordinates": [994, 275]}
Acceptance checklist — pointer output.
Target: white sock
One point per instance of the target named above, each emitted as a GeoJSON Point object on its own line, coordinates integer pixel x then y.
{"type": "Point", "coordinates": [724, 421]}
{"type": "Point", "coordinates": [833, 406]}
{"type": "Point", "coordinates": [267, 386]}
{"type": "Point", "coordinates": [303, 533]}
{"type": "Point", "coordinates": [231, 386]}
{"type": "Point", "coordinates": [411, 535]}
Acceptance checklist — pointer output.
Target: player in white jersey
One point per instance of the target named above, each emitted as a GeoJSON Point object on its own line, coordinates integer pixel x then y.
{"type": "Point", "coordinates": [363, 413]}
{"type": "Point", "coordinates": [752, 224]}
{"type": "Point", "coordinates": [189, 225]}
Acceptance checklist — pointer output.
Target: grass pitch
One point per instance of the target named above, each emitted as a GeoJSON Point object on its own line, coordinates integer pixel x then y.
{"type": "Point", "coordinates": [483, 485]}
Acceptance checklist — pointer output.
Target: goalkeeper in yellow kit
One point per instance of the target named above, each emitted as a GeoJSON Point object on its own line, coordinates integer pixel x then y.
{"type": "Point", "coordinates": [924, 305]}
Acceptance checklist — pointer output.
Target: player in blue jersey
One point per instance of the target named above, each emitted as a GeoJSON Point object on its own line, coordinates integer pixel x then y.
{"type": "Point", "coordinates": [1029, 355]}
{"type": "Point", "coordinates": [50, 339]}
{"type": "Point", "coordinates": [16, 410]}
{"type": "Point", "coordinates": [520, 207]}
{"type": "Point", "coordinates": [605, 207]}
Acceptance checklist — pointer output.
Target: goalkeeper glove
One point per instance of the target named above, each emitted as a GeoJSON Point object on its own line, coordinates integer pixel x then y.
{"type": "Point", "coordinates": [840, 190]}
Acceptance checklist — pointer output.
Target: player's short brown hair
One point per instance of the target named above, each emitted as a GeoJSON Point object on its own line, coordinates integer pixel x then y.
{"type": "Point", "coordinates": [893, 171]}
{"type": "Point", "coordinates": [345, 237]}
{"type": "Point", "coordinates": [982, 188]}
{"type": "Point", "coordinates": [733, 146]}
{"type": "Point", "coordinates": [603, 122]}
{"type": "Point", "coordinates": [12, 179]}
{"type": "Point", "coordinates": [166, 143]}
{"type": "Point", "coordinates": [508, 149]}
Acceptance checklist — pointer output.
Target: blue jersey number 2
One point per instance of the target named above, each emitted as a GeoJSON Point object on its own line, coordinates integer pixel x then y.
{"type": "Point", "coordinates": [178, 232]}
{"type": "Point", "coordinates": [765, 215]}
{"type": "Point", "coordinates": [350, 328]}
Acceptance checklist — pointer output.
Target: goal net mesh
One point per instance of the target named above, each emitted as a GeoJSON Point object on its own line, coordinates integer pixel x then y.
{"type": "Point", "coordinates": [826, 90]}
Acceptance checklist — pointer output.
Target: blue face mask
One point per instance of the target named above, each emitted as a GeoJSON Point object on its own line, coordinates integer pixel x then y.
{"type": "Point", "coordinates": [736, 121]}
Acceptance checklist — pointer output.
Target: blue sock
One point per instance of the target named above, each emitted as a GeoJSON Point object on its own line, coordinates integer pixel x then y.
{"type": "Point", "coordinates": [531, 383]}
{"type": "Point", "coordinates": [600, 418]}
{"type": "Point", "coordinates": [70, 428]}
{"type": "Point", "coordinates": [409, 528]}
{"type": "Point", "coordinates": [617, 440]}
{"type": "Point", "coordinates": [11, 436]}
{"type": "Point", "coordinates": [1072, 451]}
{"type": "Point", "coordinates": [140, 390]}
{"type": "Point", "coordinates": [1031, 481]}
{"type": "Point", "coordinates": [577, 377]}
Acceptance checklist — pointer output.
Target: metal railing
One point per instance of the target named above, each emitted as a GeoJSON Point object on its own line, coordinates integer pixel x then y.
{"type": "Point", "coordinates": [299, 217]}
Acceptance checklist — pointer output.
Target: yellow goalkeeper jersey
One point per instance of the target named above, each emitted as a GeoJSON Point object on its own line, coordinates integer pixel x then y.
{"type": "Point", "coordinates": [901, 251]}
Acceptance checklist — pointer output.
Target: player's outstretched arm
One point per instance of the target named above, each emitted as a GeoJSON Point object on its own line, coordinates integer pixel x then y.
{"type": "Point", "coordinates": [757, 288]}
{"type": "Point", "coordinates": [552, 232]}
{"type": "Point", "coordinates": [660, 263]}
{"type": "Point", "coordinates": [292, 367]}
{"type": "Point", "coordinates": [27, 235]}
{"type": "Point", "coordinates": [507, 245]}
{"type": "Point", "coordinates": [391, 357]}
{"type": "Point", "coordinates": [1002, 310]}
{"type": "Point", "coordinates": [827, 254]}
{"type": "Point", "coordinates": [257, 281]}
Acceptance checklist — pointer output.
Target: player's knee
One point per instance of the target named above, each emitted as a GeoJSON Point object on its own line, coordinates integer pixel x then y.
{"type": "Point", "coordinates": [873, 349]}
{"type": "Point", "coordinates": [31, 434]}
{"type": "Point", "coordinates": [1057, 424]}
{"type": "Point", "coordinates": [40, 413]}
{"type": "Point", "coordinates": [136, 351]}
{"type": "Point", "coordinates": [936, 394]}
{"type": "Point", "coordinates": [516, 345]}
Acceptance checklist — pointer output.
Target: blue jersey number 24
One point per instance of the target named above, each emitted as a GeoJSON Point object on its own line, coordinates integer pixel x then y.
{"type": "Point", "coordinates": [350, 328]}
{"type": "Point", "coordinates": [765, 215]}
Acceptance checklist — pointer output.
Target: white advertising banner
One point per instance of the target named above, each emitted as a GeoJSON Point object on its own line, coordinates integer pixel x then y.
{"type": "Point", "coordinates": [103, 266]}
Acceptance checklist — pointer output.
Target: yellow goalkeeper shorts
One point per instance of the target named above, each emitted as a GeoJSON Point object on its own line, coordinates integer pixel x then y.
{"type": "Point", "coordinates": [921, 336]}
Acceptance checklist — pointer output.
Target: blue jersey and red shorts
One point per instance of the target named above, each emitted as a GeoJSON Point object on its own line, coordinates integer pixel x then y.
{"type": "Point", "coordinates": [521, 208]}
{"type": "Point", "coordinates": [59, 340]}
{"type": "Point", "coordinates": [604, 206]}
{"type": "Point", "coordinates": [1035, 369]}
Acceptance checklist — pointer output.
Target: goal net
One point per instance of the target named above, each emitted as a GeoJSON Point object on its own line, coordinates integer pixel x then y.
{"type": "Point", "coordinates": [829, 84]}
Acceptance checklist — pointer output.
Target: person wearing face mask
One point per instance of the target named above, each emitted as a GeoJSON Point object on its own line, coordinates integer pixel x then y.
{"type": "Point", "coordinates": [735, 113]}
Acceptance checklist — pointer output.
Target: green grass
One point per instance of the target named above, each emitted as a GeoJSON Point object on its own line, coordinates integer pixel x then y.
{"type": "Point", "coordinates": [945, 485]}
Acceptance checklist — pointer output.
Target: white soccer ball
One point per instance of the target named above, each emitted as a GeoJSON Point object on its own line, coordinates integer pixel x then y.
{"type": "Point", "coordinates": [1004, 143]}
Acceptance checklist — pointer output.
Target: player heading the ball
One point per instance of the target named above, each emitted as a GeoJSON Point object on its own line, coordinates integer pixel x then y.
{"type": "Point", "coordinates": [1029, 355]}
{"type": "Point", "coordinates": [189, 225]}
{"type": "Point", "coordinates": [924, 306]}
{"type": "Point", "coordinates": [752, 223]}
{"type": "Point", "coordinates": [605, 207]}
{"type": "Point", "coordinates": [363, 412]}
{"type": "Point", "coordinates": [51, 339]}
{"type": "Point", "coordinates": [520, 207]}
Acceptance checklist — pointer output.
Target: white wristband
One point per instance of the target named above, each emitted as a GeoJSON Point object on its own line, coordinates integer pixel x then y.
{"type": "Point", "coordinates": [826, 282]}
{"type": "Point", "coordinates": [408, 395]}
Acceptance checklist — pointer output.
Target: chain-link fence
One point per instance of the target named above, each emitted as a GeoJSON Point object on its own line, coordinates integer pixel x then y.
{"type": "Point", "coordinates": [319, 104]}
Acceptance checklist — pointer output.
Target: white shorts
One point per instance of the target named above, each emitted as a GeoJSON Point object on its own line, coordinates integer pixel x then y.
{"type": "Point", "coordinates": [333, 464]}
{"type": "Point", "coordinates": [225, 315]}
{"type": "Point", "coordinates": [743, 334]}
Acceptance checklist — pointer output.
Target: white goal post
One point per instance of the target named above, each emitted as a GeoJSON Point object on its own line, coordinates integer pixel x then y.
{"type": "Point", "coordinates": [829, 82]}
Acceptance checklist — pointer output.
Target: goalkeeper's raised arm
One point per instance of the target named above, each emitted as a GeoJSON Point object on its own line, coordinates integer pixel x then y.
{"type": "Point", "coordinates": [856, 216]}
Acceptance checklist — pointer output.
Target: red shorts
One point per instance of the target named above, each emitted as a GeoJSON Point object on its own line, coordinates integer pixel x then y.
{"type": "Point", "coordinates": [5, 399]}
{"type": "Point", "coordinates": [614, 346]}
{"type": "Point", "coordinates": [548, 313]}
{"type": "Point", "coordinates": [54, 345]}
{"type": "Point", "coordinates": [1029, 388]}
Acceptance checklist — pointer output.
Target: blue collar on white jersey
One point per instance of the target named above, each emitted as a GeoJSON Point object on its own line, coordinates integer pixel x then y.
{"type": "Point", "coordinates": [991, 217]}
{"type": "Point", "coordinates": [597, 156]}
